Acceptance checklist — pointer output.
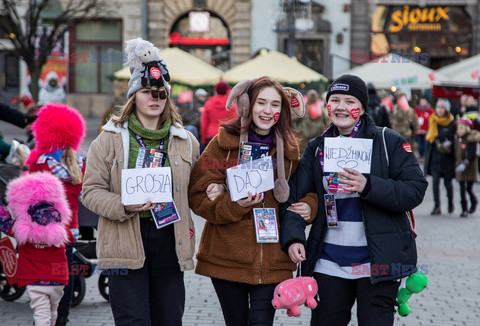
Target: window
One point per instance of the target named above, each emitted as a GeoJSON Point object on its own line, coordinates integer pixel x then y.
{"type": "Point", "coordinates": [95, 54]}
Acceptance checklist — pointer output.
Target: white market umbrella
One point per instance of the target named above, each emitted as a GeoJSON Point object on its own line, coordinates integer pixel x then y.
{"type": "Point", "coordinates": [393, 70]}
{"type": "Point", "coordinates": [278, 66]}
{"type": "Point", "coordinates": [465, 71]}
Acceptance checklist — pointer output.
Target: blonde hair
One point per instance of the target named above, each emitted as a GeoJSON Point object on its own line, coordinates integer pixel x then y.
{"type": "Point", "coordinates": [169, 110]}
{"type": "Point", "coordinates": [69, 158]}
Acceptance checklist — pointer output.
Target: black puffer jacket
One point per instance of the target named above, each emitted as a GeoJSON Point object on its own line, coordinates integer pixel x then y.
{"type": "Point", "coordinates": [392, 189]}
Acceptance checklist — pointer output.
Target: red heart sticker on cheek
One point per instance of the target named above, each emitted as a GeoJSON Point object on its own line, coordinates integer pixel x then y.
{"type": "Point", "coordinates": [355, 113]}
{"type": "Point", "coordinates": [276, 116]}
{"type": "Point", "coordinates": [329, 108]}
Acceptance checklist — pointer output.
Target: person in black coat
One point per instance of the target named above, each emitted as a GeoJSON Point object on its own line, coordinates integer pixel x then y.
{"type": "Point", "coordinates": [376, 109]}
{"type": "Point", "coordinates": [440, 157]}
{"type": "Point", "coordinates": [373, 244]}
{"type": "Point", "coordinates": [15, 117]}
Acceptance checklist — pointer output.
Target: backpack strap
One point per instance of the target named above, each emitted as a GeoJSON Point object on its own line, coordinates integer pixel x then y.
{"type": "Point", "coordinates": [385, 145]}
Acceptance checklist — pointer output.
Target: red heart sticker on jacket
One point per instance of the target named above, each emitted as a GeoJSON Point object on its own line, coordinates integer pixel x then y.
{"type": "Point", "coordinates": [276, 116]}
{"type": "Point", "coordinates": [155, 72]}
{"type": "Point", "coordinates": [355, 113]}
{"type": "Point", "coordinates": [407, 147]}
{"type": "Point", "coordinates": [191, 233]}
{"type": "Point", "coordinates": [295, 103]}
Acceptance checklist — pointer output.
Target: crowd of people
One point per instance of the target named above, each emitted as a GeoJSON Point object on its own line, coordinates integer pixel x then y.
{"type": "Point", "coordinates": [361, 226]}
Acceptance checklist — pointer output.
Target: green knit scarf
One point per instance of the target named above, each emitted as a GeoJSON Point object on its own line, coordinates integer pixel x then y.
{"type": "Point", "coordinates": [151, 138]}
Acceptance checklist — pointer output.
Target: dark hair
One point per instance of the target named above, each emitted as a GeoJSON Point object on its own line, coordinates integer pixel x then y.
{"type": "Point", "coordinates": [284, 123]}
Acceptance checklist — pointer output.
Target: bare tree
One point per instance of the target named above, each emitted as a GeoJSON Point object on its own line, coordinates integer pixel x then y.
{"type": "Point", "coordinates": [22, 31]}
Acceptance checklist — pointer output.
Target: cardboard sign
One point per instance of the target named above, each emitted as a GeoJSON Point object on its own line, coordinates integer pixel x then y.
{"type": "Point", "coordinates": [149, 184]}
{"type": "Point", "coordinates": [346, 152]}
{"type": "Point", "coordinates": [8, 258]}
{"type": "Point", "coordinates": [255, 176]}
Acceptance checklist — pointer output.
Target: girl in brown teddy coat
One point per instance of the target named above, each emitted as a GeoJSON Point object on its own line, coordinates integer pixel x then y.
{"type": "Point", "coordinates": [245, 272]}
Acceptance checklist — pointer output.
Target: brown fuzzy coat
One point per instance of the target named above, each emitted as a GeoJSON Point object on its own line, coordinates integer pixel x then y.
{"type": "Point", "coordinates": [228, 248]}
{"type": "Point", "coordinates": [462, 147]}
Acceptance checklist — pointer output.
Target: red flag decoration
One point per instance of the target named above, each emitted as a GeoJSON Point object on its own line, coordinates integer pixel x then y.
{"type": "Point", "coordinates": [8, 258]}
{"type": "Point", "coordinates": [185, 97]}
{"type": "Point", "coordinates": [431, 76]}
{"type": "Point", "coordinates": [387, 101]}
{"type": "Point", "coordinates": [315, 110]}
{"type": "Point", "coordinates": [403, 103]}
{"type": "Point", "coordinates": [475, 74]}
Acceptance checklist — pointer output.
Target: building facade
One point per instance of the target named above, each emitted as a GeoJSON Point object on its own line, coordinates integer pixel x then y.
{"type": "Point", "coordinates": [443, 31]}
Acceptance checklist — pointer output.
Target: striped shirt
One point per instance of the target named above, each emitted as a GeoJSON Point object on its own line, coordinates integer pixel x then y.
{"type": "Point", "coordinates": [345, 253]}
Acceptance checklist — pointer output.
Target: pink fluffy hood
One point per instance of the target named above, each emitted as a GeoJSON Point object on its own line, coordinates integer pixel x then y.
{"type": "Point", "coordinates": [29, 191]}
{"type": "Point", "coordinates": [57, 127]}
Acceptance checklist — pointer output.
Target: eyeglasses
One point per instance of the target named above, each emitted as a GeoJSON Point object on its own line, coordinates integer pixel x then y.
{"type": "Point", "coordinates": [156, 93]}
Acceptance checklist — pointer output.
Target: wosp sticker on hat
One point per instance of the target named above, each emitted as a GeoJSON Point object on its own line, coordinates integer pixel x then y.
{"type": "Point", "coordinates": [339, 87]}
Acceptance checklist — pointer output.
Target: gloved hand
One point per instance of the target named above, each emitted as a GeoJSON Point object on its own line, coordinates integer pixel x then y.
{"type": "Point", "coordinates": [460, 168]}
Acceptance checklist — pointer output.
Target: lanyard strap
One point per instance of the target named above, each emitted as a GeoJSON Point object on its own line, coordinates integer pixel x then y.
{"type": "Point", "coordinates": [352, 134]}
{"type": "Point", "coordinates": [142, 143]}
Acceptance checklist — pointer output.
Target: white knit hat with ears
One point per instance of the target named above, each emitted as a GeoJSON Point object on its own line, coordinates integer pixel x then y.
{"type": "Point", "coordinates": [146, 66]}
{"type": "Point", "coordinates": [239, 94]}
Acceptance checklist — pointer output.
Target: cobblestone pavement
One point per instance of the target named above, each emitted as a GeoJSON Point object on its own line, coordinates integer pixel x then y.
{"type": "Point", "coordinates": [448, 247]}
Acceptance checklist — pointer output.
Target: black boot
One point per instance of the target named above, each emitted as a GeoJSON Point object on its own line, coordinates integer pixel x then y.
{"type": "Point", "coordinates": [451, 207]}
{"type": "Point", "coordinates": [473, 208]}
{"type": "Point", "coordinates": [436, 211]}
{"type": "Point", "coordinates": [62, 311]}
{"type": "Point", "coordinates": [464, 209]}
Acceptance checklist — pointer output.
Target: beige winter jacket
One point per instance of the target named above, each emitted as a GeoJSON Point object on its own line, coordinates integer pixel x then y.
{"type": "Point", "coordinates": [119, 242]}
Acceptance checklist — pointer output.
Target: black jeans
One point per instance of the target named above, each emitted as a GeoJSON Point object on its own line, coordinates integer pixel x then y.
{"type": "Point", "coordinates": [467, 187]}
{"type": "Point", "coordinates": [375, 303]}
{"type": "Point", "coordinates": [436, 188]}
{"type": "Point", "coordinates": [234, 300]}
{"type": "Point", "coordinates": [155, 293]}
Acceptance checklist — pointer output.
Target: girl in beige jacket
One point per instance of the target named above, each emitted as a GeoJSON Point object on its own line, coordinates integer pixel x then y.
{"type": "Point", "coordinates": [145, 256]}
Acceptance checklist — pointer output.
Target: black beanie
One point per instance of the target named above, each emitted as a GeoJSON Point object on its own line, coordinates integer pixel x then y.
{"type": "Point", "coordinates": [350, 85]}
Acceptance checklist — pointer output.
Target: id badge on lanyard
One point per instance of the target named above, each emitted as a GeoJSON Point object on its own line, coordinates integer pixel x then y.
{"type": "Point", "coordinates": [331, 210]}
{"type": "Point", "coordinates": [163, 214]}
{"type": "Point", "coordinates": [335, 185]}
{"type": "Point", "coordinates": [266, 228]}
{"type": "Point", "coordinates": [150, 157]}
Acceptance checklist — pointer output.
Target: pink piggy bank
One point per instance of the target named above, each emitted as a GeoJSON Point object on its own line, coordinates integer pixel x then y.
{"type": "Point", "coordinates": [294, 292]}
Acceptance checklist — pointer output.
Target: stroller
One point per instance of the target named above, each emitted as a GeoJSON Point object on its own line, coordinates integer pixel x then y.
{"type": "Point", "coordinates": [8, 292]}
{"type": "Point", "coordinates": [83, 257]}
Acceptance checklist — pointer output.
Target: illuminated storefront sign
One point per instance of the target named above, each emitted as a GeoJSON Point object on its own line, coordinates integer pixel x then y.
{"type": "Point", "coordinates": [177, 39]}
{"type": "Point", "coordinates": [419, 19]}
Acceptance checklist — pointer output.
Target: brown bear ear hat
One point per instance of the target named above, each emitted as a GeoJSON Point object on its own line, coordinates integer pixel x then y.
{"type": "Point", "coordinates": [239, 94]}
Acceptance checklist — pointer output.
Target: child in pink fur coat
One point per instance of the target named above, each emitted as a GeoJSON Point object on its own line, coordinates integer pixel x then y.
{"type": "Point", "coordinates": [59, 130]}
{"type": "Point", "coordinates": [40, 217]}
